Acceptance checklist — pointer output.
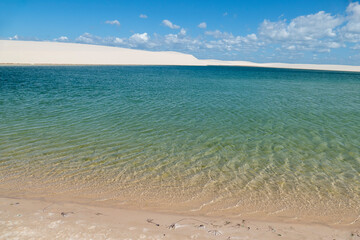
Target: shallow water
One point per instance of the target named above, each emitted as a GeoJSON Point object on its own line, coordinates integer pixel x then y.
{"type": "Point", "coordinates": [210, 140]}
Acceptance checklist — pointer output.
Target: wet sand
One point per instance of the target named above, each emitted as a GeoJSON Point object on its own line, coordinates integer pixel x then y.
{"type": "Point", "coordinates": [36, 219]}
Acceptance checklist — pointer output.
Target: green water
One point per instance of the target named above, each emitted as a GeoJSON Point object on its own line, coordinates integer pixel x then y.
{"type": "Point", "coordinates": [214, 140]}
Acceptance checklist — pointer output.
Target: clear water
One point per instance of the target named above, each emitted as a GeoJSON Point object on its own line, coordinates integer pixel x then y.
{"type": "Point", "coordinates": [208, 140]}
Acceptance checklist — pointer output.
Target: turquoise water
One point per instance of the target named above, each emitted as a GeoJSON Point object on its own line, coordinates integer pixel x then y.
{"type": "Point", "coordinates": [213, 140]}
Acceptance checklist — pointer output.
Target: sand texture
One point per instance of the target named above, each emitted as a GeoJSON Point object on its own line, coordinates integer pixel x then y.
{"type": "Point", "coordinates": [35, 219]}
{"type": "Point", "coordinates": [50, 53]}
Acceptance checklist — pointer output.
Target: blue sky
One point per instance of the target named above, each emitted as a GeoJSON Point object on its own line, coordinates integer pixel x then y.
{"type": "Point", "coordinates": [315, 31]}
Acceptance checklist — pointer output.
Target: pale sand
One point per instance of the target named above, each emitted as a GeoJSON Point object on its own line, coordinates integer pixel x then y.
{"type": "Point", "coordinates": [34, 219]}
{"type": "Point", "coordinates": [55, 53]}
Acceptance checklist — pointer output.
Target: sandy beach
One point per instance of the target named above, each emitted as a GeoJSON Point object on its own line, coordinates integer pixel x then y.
{"type": "Point", "coordinates": [56, 53]}
{"type": "Point", "coordinates": [36, 219]}
{"type": "Point", "coordinates": [66, 216]}
{"type": "Point", "coordinates": [219, 120]}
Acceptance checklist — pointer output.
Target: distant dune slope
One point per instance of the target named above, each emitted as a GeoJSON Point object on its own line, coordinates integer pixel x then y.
{"type": "Point", "coordinates": [29, 52]}
{"type": "Point", "coordinates": [48, 53]}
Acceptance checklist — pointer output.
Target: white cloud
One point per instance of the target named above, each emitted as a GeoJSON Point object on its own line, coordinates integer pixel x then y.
{"type": "Point", "coordinates": [170, 24]}
{"type": "Point", "coordinates": [143, 16]}
{"type": "Point", "coordinates": [274, 30]}
{"type": "Point", "coordinates": [285, 40]}
{"type": "Point", "coordinates": [138, 38]}
{"type": "Point", "coordinates": [303, 28]}
{"type": "Point", "coordinates": [351, 31]}
{"type": "Point", "coordinates": [88, 38]}
{"type": "Point", "coordinates": [252, 37]}
{"type": "Point", "coordinates": [180, 42]}
{"type": "Point", "coordinates": [15, 37]}
{"type": "Point", "coordinates": [225, 14]}
{"type": "Point", "coordinates": [311, 32]}
{"type": "Point", "coordinates": [202, 25]}
{"type": "Point", "coordinates": [228, 42]}
{"type": "Point", "coordinates": [356, 47]}
{"type": "Point", "coordinates": [182, 32]}
{"type": "Point", "coordinates": [291, 47]}
{"type": "Point", "coordinates": [61, 39]}
{"type": "Point", "coordinates": [218, 34]}
{"type": "Point", "coordinates": [118, 40]}
{"type": "Point", "coordinates": [353, 11]}
{"type": "Point", "coordinates": [113, 22]}
{"type": "Point", "coordinates": [91, 39]}
{"type": "Point", "coordinates": [22, 38]}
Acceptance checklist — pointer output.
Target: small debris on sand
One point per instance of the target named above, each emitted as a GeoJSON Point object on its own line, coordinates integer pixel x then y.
{"type": "Point", "coordinates": [65, 214]}
{"type": "Point", "coordinates": [152, 222]}
{"type": "Point", "coordinates": [201, 226]}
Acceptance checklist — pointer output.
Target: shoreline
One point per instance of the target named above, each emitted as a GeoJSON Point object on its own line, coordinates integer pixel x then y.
{"type": "Point", "coordinates": [41, 219]}
{"type": "Point", "coordinates": [149, 65]}
{"type": "Point", "coordinates": [138, 200]}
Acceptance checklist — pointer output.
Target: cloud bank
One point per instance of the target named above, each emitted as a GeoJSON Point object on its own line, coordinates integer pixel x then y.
{"type": "Point", "coordinates": [308, 38]}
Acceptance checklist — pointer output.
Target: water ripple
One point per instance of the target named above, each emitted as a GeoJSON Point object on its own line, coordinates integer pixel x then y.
{"type": "Point", "coordinates": [216, 140]}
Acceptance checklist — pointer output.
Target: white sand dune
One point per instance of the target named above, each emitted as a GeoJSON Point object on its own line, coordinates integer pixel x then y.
{"type": "Point", "coordinates": [29, 52]}
{"type": "Point", "coordinates": [49, 53]}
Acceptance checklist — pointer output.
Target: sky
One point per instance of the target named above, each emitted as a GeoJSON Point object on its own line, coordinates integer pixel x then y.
{"type": "Point", "coordinates": [296, 31]}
